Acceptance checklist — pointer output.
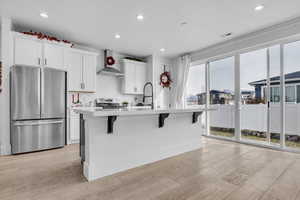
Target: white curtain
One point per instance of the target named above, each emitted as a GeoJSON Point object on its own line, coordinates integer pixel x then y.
{"type": "Point", "coordinates": [182, 71]}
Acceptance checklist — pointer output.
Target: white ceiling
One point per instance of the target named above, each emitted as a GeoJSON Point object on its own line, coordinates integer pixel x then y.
{"type": "Point", "coordinates": [95, 22]}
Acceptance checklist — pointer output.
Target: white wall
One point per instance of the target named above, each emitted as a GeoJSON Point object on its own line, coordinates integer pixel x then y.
{"type": "Point", "coordinates": [162, 96]}
{"type": "Point", "coordinates": [6, 48]}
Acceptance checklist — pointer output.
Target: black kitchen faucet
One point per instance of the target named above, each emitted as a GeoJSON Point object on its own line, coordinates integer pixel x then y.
{"type": "Point", "coordinates": [147, 96]}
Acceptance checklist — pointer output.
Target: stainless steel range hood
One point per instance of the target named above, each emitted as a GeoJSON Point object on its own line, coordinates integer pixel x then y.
{"type": "Point", "coordinates": [107, 69]}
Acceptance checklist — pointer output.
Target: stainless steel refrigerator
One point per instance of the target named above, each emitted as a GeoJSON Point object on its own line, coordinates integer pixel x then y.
{"type": "Point", "coordinates": [38, 108]}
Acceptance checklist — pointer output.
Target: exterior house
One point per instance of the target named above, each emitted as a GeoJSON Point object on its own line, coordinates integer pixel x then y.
{"type": "Point", "coordinates": [246, 96]}
{"type": "Point", "coordinates": [221, 97]}
{"type": "Point", "coordinates": [292, 88]}
{"type": "Point", "coordinates": [216, 97]}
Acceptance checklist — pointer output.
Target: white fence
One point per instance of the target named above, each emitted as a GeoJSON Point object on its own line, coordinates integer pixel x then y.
{"type": "Point", "coordinates": [254, 117]}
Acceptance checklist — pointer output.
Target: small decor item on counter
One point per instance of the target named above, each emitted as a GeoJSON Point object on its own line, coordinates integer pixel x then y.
{"type": "Point", "coordinates": [0, 76]}
{"type": "Point", "coordinates": [43, 36]}
{"type": "Point", "coordinates": [165, 79]}
{"type": "Point", "coordinates": [125, 103]}
{"type": "Point", "coordinates": [77, 100]}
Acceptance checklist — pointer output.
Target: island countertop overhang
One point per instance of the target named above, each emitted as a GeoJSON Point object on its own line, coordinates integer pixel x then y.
{"type": "Point", "coordinates": [98, 112]}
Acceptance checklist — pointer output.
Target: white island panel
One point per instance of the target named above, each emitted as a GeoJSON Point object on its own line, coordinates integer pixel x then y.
{"type": "Point", "coordinates": [136, 141]}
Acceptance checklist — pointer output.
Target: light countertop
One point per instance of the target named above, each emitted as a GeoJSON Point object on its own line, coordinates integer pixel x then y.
{"type": "Point", "coordinates": [98, 112]}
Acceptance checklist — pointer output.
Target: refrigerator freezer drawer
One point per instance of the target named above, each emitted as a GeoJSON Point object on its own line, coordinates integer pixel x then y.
{"type": "Point", "coordinates": [35, 135]}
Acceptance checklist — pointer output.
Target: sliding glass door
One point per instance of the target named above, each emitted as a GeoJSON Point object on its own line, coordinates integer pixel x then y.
{"type": "Point", "coordinates": [221, 97]}
{"type": "Point", "coordinates": [268, 83]}
{"type": "Point", "coordinates": [254, 100]}
{"type": "Point", "coordinates": [292, 94]}
{"type": "Point", "coordinates": [274, 95]}
{"type": "Point", "coordinates": [260, 95]}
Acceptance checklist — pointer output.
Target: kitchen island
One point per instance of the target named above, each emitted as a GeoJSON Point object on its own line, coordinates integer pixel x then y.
{"type": "Point", "coordinates": [119, 139]}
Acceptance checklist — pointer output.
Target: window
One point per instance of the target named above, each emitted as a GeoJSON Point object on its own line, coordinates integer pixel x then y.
{"type": "Point", "coordinates": [290, 96]}
{"type": "Point", "coordinates": [298, 93]}
{"type": "Point", "coordinates": [195, 94]}
{"type": "Point", "coordinates": [275, 94]}
{"type": "Point", "coordinates": [195, 91]}
{"type": "Point", "coordinates": [260, 83]}
{"type": "Point", "coordinates": [253, 80]}
{"type": "Point", "coordinates": [292, 78]}
{"type": "Point", "coordinates": [221, 75]}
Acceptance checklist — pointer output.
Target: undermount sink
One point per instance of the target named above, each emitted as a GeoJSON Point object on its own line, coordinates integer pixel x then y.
{"type": "Point", "coordinates": [139, 107]}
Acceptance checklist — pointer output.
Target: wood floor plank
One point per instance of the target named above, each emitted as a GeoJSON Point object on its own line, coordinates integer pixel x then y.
{"type": "Point", "coordinates": [220, 170]}
{"type": "Point", "coordinates": [287, 186]}
{"type": "Point", "coordinates": [266, 177]}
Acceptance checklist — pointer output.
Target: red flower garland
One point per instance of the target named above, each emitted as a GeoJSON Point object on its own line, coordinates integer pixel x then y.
{"type": "Point", "coordinates": [42, 36]}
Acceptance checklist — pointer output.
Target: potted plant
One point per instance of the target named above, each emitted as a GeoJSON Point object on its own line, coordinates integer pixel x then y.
{"type": "Point", "coordinates": [125, 103]}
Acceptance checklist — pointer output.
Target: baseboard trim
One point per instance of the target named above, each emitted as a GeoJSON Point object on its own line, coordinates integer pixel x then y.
{"type": "Point", "coordinates": [5, 149]}
{"type": "Point", "coordinates": [93, 172]}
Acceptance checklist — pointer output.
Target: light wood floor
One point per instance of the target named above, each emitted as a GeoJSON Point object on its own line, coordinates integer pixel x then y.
{"type": "Point", "coordinates": [220, 170]}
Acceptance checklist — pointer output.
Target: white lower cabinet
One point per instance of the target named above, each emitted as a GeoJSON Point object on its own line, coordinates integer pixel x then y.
{"type": "Point", "coordinates": [74, 127]}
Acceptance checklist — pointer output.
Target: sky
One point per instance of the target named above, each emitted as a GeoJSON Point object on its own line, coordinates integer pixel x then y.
{"type": "Point", "coordinates": [253, 67]}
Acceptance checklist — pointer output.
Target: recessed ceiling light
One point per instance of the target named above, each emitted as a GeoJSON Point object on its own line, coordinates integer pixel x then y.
{"type": "Point", "coordinates": [183, 23]}
{"type": "Point", "coordinates": [162, 50]}
{"type": "Point", "coordinates": [259, 7]}
{"type": "Point", "coordinates": [117, 36]}
{"type": "Point", "coordinates": [227, 34]}
{"type": "Point", "coordinates": [44, 15]}
{"type": "Point", "coordinates": [140, 17]}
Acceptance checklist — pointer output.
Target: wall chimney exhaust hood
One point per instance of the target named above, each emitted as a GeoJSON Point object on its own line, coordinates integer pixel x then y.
{"type": "Point", "coordinates": [109, 68]}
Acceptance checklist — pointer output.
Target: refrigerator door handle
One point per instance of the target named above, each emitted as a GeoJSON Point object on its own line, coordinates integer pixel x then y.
{"type": "Point", "coordinates": [33, 123]}
{"type": "Point", "coordinates": [39, 91]}
{"type": "Point", "coordinates": [42, 92]}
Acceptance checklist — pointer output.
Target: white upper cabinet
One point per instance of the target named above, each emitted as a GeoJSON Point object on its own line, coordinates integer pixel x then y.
{"type": "Point", "coordinates": [34, 52]}
{"type": "Point", "coordinates": [27, 52]}
{"type": "Point", "coordinates": [134, 77]}
{"type": "Point", "coordinates": [73, 61]}
{"type": "Point", "coordinates": [129, 78]}
{"type": "Point", "coordinates": [140, 77]}
{"type": "Point", "coordinates": [81, 69]}
{"type": "Point", "coordinates": [54, 56]}
{"type": "Point", "coordinates": [89, 72]}
{"type": "Point", "coordinates": [80, 64]}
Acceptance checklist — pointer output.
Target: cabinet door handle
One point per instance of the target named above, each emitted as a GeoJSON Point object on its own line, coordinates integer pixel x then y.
{"type": "Point", "coordinates": [39, 61]}
{"type": "Point", "coordinates": [82, 85]}
{"type": "Point", "coordinates": [45, 61]}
